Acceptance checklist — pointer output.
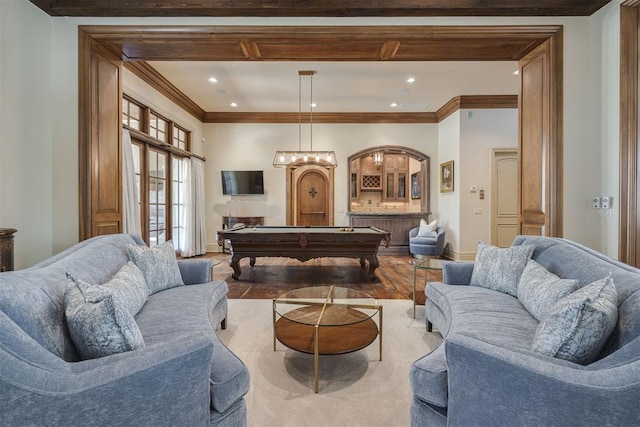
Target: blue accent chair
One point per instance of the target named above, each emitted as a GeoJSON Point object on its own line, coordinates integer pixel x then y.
{"type": "Point", "coordinates": [426, 246]}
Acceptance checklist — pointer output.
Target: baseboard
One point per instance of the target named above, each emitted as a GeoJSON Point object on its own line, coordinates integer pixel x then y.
{"type": "Point", "coordinates": [214, 248]}
{"type": "Point", "coordinates": [394, 250]}
{"type": "Point", "coordinates": [458, 256]}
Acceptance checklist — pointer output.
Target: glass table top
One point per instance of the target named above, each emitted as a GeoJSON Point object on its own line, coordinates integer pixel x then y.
{"type": "Point", "coordinates": [326, 306]}
{"type": "Point", "coordinates": [427, 263]}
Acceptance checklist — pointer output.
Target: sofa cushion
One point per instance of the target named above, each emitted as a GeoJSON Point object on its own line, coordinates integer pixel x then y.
{"type": "Point", "coordinates": [158, 264]}
{"type": "Point", "coordinates": [577, 327]}
{"type": "Point", "coordinates": [500, 268]}
{"type": "Point", "coordinates": [194, 309]}
{"type": "Point", "coordinates": [539, 290]}
{"type": "Point", "coordinates": [99, 324]}
{"type": "Point", "coordinates": [428, 229]}
{"type": "Point", "coordinates": [423, 240]}
{"type": "Point", "coordinates": [482, 313]}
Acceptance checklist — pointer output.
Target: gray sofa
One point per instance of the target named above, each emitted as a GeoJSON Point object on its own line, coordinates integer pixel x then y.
{"type": "Point", "coordinates": [183, 376]}
{"type": "Point", "coordinates": [426, 246]}
{"type": "Point", "coordinates": [484, 373]}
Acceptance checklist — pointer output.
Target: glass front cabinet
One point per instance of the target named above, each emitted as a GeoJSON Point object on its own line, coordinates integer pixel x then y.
{"type": "Point", "coordinates": [395, 178]}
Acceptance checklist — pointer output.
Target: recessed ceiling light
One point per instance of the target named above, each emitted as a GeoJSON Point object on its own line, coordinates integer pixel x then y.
{"type": "Point", "coordinates": [393, 105]}
{"type": "Point", "coordinates": [516, 72]}
{"type": "Point", "coordinates": [234, 104]}
{"type": "Point", "coordinates": [213, 80]}
{"type": "Point", "coordinates": [411, 80]}
{"type": "Point", "coordinates": [314, 105]}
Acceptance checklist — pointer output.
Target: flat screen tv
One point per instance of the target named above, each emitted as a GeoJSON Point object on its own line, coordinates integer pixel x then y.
{"type": "Point", "coordinates": [242, 182]}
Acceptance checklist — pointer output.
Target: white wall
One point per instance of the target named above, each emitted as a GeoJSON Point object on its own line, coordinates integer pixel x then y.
{"type": "Point", "coordinates": [605, 66]}
{"type": "Point", "coordinates": [480, 132]}
{"type": "Point", "coordinates": [25, 130]}
{"type": "Point", "coordinates": [252, 147]}
{"type": "Point", "coordinates": [448, 213]}
{"type": "Point", "coordinates": [44, 203]}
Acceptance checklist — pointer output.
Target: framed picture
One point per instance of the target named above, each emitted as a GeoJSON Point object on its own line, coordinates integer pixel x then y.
{"type": "Point", "coordinates": [415, 186]}
{"type": "Point", "coordinates": [446, 177]}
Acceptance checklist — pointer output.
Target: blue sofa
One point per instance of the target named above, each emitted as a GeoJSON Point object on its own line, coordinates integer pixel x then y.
{"type": "Point", "coordinates": [484, 373]}
{"type": "Point", "coordinates": [183, 376]}
{"type": "Point", "coordinates": [426, 246]}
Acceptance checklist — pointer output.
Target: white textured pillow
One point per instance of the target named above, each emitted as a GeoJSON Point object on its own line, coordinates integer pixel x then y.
{"type": "Point", "coordinates": [99, 326]}
{"type": "Point", "coordinates": [158, 264]}
{"type": "Point", "coordinates": [427, 230]}
{"type": "Point", "coordinates": [500, 268]}
{"type": "Point", "coordinates": [539, 290]}
{"type": "Point", "coordinates": [578, 326]}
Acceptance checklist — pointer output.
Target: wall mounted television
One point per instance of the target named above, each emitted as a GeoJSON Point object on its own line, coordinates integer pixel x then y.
{"type": "Point", "coordinates": [235, 183]}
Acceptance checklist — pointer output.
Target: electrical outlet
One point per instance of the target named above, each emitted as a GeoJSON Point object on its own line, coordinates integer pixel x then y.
{"type": "Point", "coordinates": [605, 202]}
{"type": "Point", "coordinates": [596, 203]}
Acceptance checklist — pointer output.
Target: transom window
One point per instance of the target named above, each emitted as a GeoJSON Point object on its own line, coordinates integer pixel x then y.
{"type": "Point", "coordinates": [132, 114]}
{"type": "Point", "coordinates": [158, 127]}
{"type": "Point", "coordinates": [180, 138]}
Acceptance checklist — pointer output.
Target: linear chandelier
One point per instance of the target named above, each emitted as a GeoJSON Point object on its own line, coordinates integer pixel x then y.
{"type": "Point", "coordinates": [284, 158]}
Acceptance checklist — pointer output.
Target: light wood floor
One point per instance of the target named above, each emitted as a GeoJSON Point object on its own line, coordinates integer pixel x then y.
{"type": "Point", "coordinates": [271, 277]}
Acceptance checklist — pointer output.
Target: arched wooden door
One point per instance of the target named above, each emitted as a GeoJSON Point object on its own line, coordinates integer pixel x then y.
{"type": "Point", "coordinates": [312, 198]}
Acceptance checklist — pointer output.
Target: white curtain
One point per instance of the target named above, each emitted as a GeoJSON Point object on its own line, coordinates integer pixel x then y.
{"type": "Point", "coordinates": [193, 241]}
{"type": "Point", "coordinates": [130, 206]}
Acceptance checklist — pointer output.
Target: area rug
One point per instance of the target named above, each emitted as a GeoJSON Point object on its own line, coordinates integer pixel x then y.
{"type": "Point", "coordinates": [355, 389]}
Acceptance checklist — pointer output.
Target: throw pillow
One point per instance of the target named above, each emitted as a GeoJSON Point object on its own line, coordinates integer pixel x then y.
{"type": "Point", "coordinates": [428, 230]}
{"type": "Point", "coordinates": [500, 268]}
{"type": "Point", "coordinates": [97, 324]}
{"type": "Point", "coordinates": [127, 287]}
{"type": "Point", "coordinates": [577, 327]}
{"type": "Point", "coordinates": [539, 290]}
{"type": "Point", "coordinates": [158, 264]}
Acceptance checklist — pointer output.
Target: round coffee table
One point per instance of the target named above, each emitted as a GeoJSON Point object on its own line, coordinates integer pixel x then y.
{"type": "Point", "coordinates": [326, 320]}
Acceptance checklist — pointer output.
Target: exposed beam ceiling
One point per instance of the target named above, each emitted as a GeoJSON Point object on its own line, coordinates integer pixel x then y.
{"type": "Point", "coordinates": [338, 8]}
{"type": "Point", "coordinates": [321, 43]}
{"type": "Point", "coordinates": [341, 48]}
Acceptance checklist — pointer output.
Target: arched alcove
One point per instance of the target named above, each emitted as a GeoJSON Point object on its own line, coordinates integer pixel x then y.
{"type": "Point", "coordinates": [395, 184]}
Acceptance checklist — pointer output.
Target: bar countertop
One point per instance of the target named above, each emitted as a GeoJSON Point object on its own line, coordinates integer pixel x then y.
{"type": "Point", "coordinates": [390, 213]}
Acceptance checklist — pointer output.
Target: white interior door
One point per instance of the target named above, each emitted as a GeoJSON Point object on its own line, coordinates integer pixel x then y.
{"type": "Point", "coordinates": [504, 219]}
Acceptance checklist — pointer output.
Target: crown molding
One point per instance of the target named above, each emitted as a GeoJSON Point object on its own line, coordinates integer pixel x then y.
{"type": "Point", "coordinates": [157, 81]}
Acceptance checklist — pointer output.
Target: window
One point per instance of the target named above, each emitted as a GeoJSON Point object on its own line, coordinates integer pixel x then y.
{"type": "Point", "coordinates": [160, 171]}
{"type": "Point", "coordinates": [180, 138]}
{"type": "Point", "coordinates": [178, 188]}
{"type": "Point", "coordinates": [157, 178]}
{"type": "Point", "coordinates": [158, 127]}
{"type": "Point", "coordinates": [137, 161]}
{"type": "Point", "coordinates": [132, 114]}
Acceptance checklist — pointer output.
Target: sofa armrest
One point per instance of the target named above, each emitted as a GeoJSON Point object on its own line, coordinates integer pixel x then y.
{"type": "Point", "coordinates": [491, 385]}
{"type": "Point", "coordinates": [195, 271]}
{"type": "Point", "coordinates": [457, 273]}
{"type": "Point", "coordinates": [162, 384]}
{"type": "Point", "coordinates": [413, 232]}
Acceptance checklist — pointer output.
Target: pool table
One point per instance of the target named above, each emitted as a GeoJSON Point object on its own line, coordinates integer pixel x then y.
{"type": "Point", "coordinates": [304, 243]}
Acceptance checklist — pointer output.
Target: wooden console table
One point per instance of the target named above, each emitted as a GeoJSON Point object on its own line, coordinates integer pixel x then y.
{"type": "Point", "coordinates": [6, 249]}
{"type": "Point", "coordinates": [230, 221]}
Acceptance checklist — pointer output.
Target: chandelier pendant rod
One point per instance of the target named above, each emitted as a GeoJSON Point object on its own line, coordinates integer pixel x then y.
{"type": "Point", "coordinates": [311, 113]}
{"type": "Point", "coordinates": [299, 112]}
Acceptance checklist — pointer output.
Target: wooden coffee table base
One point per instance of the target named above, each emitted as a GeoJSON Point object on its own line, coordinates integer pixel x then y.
{"type": "Point", "coordinates": [326, 340]}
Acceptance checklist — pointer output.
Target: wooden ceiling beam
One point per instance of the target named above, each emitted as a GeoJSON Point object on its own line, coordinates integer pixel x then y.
{"type": "Point", "coordinates": [334, 118]}
{"type": "Point", "coordinates": [321, 43]}
{"type": "Point", "coordinates": [331, 8]}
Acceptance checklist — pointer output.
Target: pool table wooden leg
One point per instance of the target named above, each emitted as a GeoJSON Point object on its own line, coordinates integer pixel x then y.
{"type": "Point", "coordinates": [252, 261]}
{"type": "Point", "coordinates": [362, 262]}
{"type": "Point", "coordinates": [373, 264]}
{"type": "Point", "coordinates": [234, 262]}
